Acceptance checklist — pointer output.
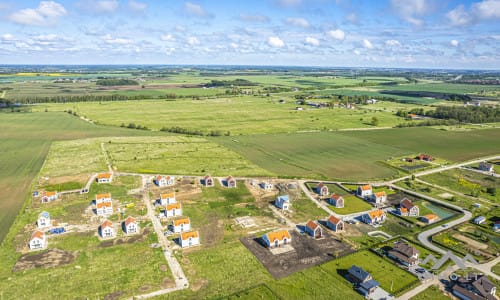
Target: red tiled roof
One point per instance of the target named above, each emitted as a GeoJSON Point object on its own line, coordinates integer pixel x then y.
{"type": "Point", "coordinates": [313, 225]}
{"type": "Point", "coordinates": [190, 234]}
{"type": "Point", "coordinates": [334, 220]}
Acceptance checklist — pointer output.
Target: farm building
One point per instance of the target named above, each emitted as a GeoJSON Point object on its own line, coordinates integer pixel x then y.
{"type": "Point", "coordinates": [379, 197]}
{"type": "Point", "coordinates": [321, 189]}
{"type": "Point", "coordinates": [336, 200]}
{"type": "Point", "coordinates": [189, 239]}
{"type": "Point", "coordinates": [404, 254]}
{"type": "Point", "coordinates": [104, 178]}
{"type": "Point", "coordinates": [364, 191]}
{"type": "Point", "coordinates": [374, 217]}
{"type": "Point", "coordinates": [430, 218]}
{"type": "Point", "coordinates": [43, 220]}
{"type": "Point", "coordinates": [277, 238]}
{"type": "Point", "coordinates": [130, 225]}
{"type": "Point", "coordinates": [425, 157]}
{"type": "Point", "coordinates": [38, 240]}
{"type": "Point", "coordinates": [180, 225]}
{"type": "Point", "coordinates": [313, 229]}
{"type": "Point", "coordinates": [49, 196]}
{"type": "Point", "coordinates": [162, 181]}
{"type": "Point", "coordinates": [407, 208]}
{"type": "Point", "coordinates": [479, 220]}
{"type": "Point", "coordinates": [166, 199]}
{"type": "Point", "coordinates": [282, 202]}
{"type": "Point", "coordinates": [207, 181]}
{"type": "Point", "coordinates": [266, 186]}
{"type": "Point", "coordinates": [106, 230]}
{"type": "Point", "coordinates": [484, 166]}
{"type": "Point", "coordinates": [230, 182]}
{"type": "Point", "coordinates": [173, 210]}
{"type": "Point", "coordinates": [335, 224]}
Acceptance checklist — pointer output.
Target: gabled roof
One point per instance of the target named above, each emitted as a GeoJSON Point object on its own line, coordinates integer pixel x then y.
{"type": "Point", "coordinates": [178, 222]}
{"type": "Point", "coordinates": [483, 285]}
{"type": "Point", "coordinates": [44, 214]}
{"type": "Point", "coordinates": [320, 185]}
{"type": "Point", "coordinates": [207, 176]}
{"type": "Point", "coordinates": [335, 196]}
{"type": "Point", "coordinates": [106, 223]}
{"type": "Point", "coordinates": [368, 285]}
{"type": "Point", "coordinates": [380, 194]}
{"type": "Point", "coordinates": [103, 204]}
{"type": "Point", "coordinates": [406, 203]}
{"type": "Point", "coordinates": [312, 225]}
{"type": "Point", "coordinates": [278, 235]}
{"type": "Point", "coordinates": [103, 195]}
{"type": "Point", "coordinates": [358, 273]}
{"type": "Point", "coordinates": [130, 220]}
{"type": "Point", "coordinates": [284, 198]}
{"type": "Point", "coordinates": [405, 249]}
{"type": "Point", "coordinates": [174, 205]}
{"type": "Point", "coordinates": [49, 194]}
{"type": "Point", "coordinates": [168, 195]}
{"type": "Point", "coordinates": [376, 213]}
{"type": "Point", "coordinates": [366, 187]}
{"type": "Point", "coordinates": [431, 217]}
{"type": "Point", "coordinates": [229, 178]}
{"type": "Point", "coordinates": [479, 219]}
{"type": "Point", "coordinates": [334, 220]}
{"type": "Point", "coordinates": [190, 234]}
{"type": "Point", "coordinates": [159, 177]}
{"type": "Point", "coordinates": [104, 175]}
{"type": "Point", "coordinates": [38, 234]}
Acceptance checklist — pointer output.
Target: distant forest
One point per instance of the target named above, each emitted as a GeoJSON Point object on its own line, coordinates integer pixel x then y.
{"type": "Point", "coordinates": [115, 82]}
{"type": "Point", "coordinates": [467, 114]}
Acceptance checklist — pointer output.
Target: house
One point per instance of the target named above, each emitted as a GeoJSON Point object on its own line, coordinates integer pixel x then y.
{"type": "Point", "coordinates": [313, 229]}
{"type": "Point", "coordinates": [364, 191]}
{"type": "Point", "coordinates": [173, 210]}
{"type": "Point", "coordinates": [230, 182]}
{"type": "Point", "coordinates": [367, 288]}
{"type": "Point", "coordinates": [104, 178]}
{"type": "Point", "coordinates": [371, 101]}
{"type": "Point", "coordinates": [43, 220]}
{"type": "Point", "coordinates": [486, 167]}
{"type": "Point", "coordinates": [404, 253]}
{"type": "Point", "coordinates": [103, 204]}
{"type": "Point", "coordinates": [104, 197]}
{"type": "Point", "coordinates": [282, 202]}
{"type": "Point", "coordinates": [479, 220]}
{"type": "Point", "coordinates": [266, 186]}
{"type": "Point", "coordinates": [180, 225]}
{"type": "Point", "coordinates": [277, 238]}
{"type": "Point", "coordinates": [106, 230]}
{"type": "Point", "coordinates": [407, 208]}
{"type": "Point", "coordinates": [357, 275]}
{"type": "Point", "coordinates": [335, 224]}
{"type": "Point", "coordinates": [207, 181]}
{"type": "Point", "coordinates": [374, 217]}
{"type": "Point", "coordinates": [49, 196]}
{"type": "Point", "coordinates": [130, 225]}
{"type": "Point", "coordinates": [379, 197]}
{"type": "Point", "coordinates": [474, 288]}
{"type": "Point", "coordinates": [189, 239]}
{"type": "Point", "coordinates": [425, 157]}
{"type": "Point", "coordinates": [430, 218]}
{"type": "Point", "coordinates": [321, 189]}
{"type": "Point", "coordinates": [162, 181]}
{"type": "Point", "coordinates": [496, 226]}
{"type": "Point", "coordinates": [38, 240]}
{"type": "Point", "coordinates": [336, 200]}
{"type": "Point", "coordinates": [166, 199]}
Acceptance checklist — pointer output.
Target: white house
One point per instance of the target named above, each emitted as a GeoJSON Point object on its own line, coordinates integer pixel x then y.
{"type": "Point", "coordinates": [49, 196]}
{"type": "Point", "coordinates": [166, 199]}
{"type": "Point", "coordinates": [336, 200]}
{"type": "Point", "coordinates": [173, 210]}
{"type": "Point", "coordinates": [313, 229]}
{"type": "Point", "coordinates": [321, 189]}
{"type": "Point", "coordinates": [487, 167]}
{"type": "Point", "coordinates": [374, 217]}
{"type": "Point", "coordinates": [181, 225]}
{"type": "Point", "coordinates": [104, 178]}
{"type": "Point", "coordinates": [162, 181]}
{"type": "Point", "coordinates": [189, 239]}
{"type": "Point", "coordinates": [282, 202]}
{"type": "Point", "coordinates": [479, 220]}
{"type": "Point", "coordinates": [106, 230]}
{"type": "Point", "coordinates": [364, 191]}
{"type": "Point", "coordinates": [335, 224]}
{"type": "Point", "coordinates": [277, 238]}
{"type": "Point", "coordinates": [379, 197]}
{"type": "Point", "coordinates": [208, 181]}
{"type": "Point", "coordinates": [407, 208]}
{"type": "Point", "coordinates": [38, 240]}
{"type": "Point", "coordinates": [103, 204]}
{"type": "Point", "coordinates": [266, 186]}
{"type": "Point", "coordinates": [130, 225]}
{"type": "Point", "coordinates": [230, 182]}
{"type": "Point", "coordinates": [43, 220]}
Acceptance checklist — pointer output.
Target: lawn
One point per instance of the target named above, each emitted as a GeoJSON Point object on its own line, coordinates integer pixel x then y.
{"type": "Point", "coordinates": [496, 269]}
{"type": "Point", "coordinates": [352, 204]}
{"type": "Point", "coordinates": [432, 292]}
{"type": "Point", "coordinates": [304, 209]}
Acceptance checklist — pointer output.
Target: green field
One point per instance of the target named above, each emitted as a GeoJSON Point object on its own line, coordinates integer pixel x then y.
{"type": "Point", "coordinates": [431, 292]}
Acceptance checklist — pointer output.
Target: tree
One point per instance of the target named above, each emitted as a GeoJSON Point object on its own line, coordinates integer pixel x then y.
{"type": "Point", "coordinates": [491, 190]}
{"type": "Point", "coordinates": [375, 121]}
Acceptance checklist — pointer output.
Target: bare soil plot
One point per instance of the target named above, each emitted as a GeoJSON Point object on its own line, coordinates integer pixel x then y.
{"type": "Point", "coordinates": [470, 242]}
{"type": "Point", "coordinates": [307, 253]}
{"type": "Point", "coordinates": [46, 259]}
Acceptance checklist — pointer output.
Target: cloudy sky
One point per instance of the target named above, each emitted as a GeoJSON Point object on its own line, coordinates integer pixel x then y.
{"type": "Point", "coordinates": [388, 33]}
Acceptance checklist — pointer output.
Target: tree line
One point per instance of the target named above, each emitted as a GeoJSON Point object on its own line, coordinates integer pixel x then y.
{"type": "Point", "coordinates": [467, 114]}
{"type": "Point", "coordinates": [117, 81]}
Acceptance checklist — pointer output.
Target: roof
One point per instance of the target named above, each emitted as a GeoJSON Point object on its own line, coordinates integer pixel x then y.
{"type": "Point", "coordinates": [207, 176]}
{"type": "Point", "coordinates": [312, 225]}
{"type": "Point", "coordinates": [278, 235]}
{"type": "Point", "coordinates": [106, 223]}
{"type": "Point", "coordinates": [159, 177]}
{"type": "Point", "coordinates": [104, 175]}
{"type": "Point", "coordinates": [403, 209]}
{"type": "Point", "coordinates": [401, 256]}
{"type": "Point", "coordinates": [284, 198]}
{"type": "Point", "coordinates": [38, 234]}
{"type": "Point", "coordinates": [190, 234]}
{"type": "Point", "coordinates": [485, 165]}
{"type": "Point", "coordinates": [334, 220]}
{"type": "Point", "coordinates": [431, 217]}
{"type": "Point", "coordinates": [130, 220]}
{"type": "Point", "coordinates": [44, 214]}
{"type": "Point", "coordinates": [380, 194]}
{"type": "Point", "coordinates": [466, 292]}
{"type": "Point", "coordinates": [358, 273]}
{"type": "Point", "coordinates": [406, 203]}
{"type": "Point", "coordinates": [366, 187]}
{"type": "Point", "coordinates": [368, 285]}
{"type": "Point", "coordinates": [104, 204]}
{"type": "Point", "coordinates": [480, 218]}
{"type": "Point", "coordinates": [168, 177]}
{"type": "Point", "coordinates": [104, 195]}
{"type": "Point", "coordinates": [376, 213]}
{"type": "Point", "coordinates": [174, 205]}
{"type": "Point", "coordinates": [48, 194]}
{"type": "Point", "coordinates": [230, 178]}
{"type": "Point", "coordinates": [405, 249]}
{"type": "Point", "coordinates": [336, 196]}
{"type": "Point", "coordinates": [321, 184]}
{"type": "Point", "coordinates": [169, 195]}
{"type": "Point", "coordinates": [483, 285]}
{"type": "Point", "coordinates": [181, 221]}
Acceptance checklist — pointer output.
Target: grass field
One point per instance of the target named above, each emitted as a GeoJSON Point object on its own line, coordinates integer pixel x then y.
{"type": "Point", "coordinates": [431, 292]}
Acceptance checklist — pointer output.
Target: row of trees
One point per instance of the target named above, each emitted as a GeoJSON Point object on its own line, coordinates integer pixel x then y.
{"type": "Point", "coordinates": [177, 129]}
{"type": "Point", "coordinates": [117, 81]}
{"type": "Point", "coordinates": [467, 114]}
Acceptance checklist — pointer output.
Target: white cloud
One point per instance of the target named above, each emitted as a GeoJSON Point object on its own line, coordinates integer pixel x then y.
{"type": "Point", "coordinates": [367, 44]}
{"type": "Point", "coordinates": [137, 6]}
{"type": "Point", "coordinates": [410, 11]}
{"type": "Point", "coordinates": [352, 18]}
{"type": "Point", "coordinates": [234, 45]}
{"type": "Point", "coordinates": [312, 41]}
{"type": "Point", "coordinates": [487, 9]}
{"type": "Point", "coordinates": [167, 37]}
{"type": "Point", "coordinates": [357, 52]}
{"type": "Point", "coordinates": [196, 10]}
{"type": "Point", "coordinates": [393, 43]}
{"type": "Point", "coordinates": [275, 41]}
{"type": "Point", "coordinates": [454, 43]}
{"type": "Point", "coordinates": [298, 22]}
{"type": "Point", "coordinates": [7, 37]}
{"type": "Point", "coordinates": [47, 13]}
{"type": "Point", "coordinates": [254, 18]}
{"type": "Point", "coordinates": [193, 41]}
{"type": "Point", "coordinates": [480, 11]}
{"type": "Point", "coordinates": [459, 17]}
{"type": "Point", "coordinates": [336, 34]}
{"type": "Point", "coordinates": [109, 39]}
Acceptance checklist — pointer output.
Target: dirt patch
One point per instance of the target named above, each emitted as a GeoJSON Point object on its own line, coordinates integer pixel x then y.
{"type": "Point", "coordinates": [197, 285]}
{"type": "Point", "coordinates": [114, 295]}
{"type": "Point", "coordinates": [47, 259]}
{"type": "Point", "coordinates": [163, 268]}
{"type": "Point", "coordinates": [307, 253]}
{"type": "Point", "coordinates": [145, 288]}
{"type": "Point", "coordinates": [470, 242]}
{"type": "Point", "coordinates": [167, 283]}
{"type": "Point", "coordinates": [213, 232]}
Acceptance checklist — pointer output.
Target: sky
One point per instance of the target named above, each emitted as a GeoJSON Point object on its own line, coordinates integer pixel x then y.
{"type": "Point", "coordinates": [331, 33]}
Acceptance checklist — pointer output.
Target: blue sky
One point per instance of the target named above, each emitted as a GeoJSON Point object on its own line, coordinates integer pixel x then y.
{"type": "Point", "coordinates": [391, 33]}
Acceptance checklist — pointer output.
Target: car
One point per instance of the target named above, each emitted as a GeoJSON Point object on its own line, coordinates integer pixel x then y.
{"type": "Point", "coordinates": [420, 270]}
{"type": "Point", "coordinates": [444, 225]}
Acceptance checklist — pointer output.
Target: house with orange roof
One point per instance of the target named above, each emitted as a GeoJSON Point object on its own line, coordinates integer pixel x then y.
{"type": "Point", "coordinates": [103, 197]}
{"type": "Point", "coordinates": [104, 208]}
{"type": "Point", "coordinates": [173, 210]}
{"type": "Point", "coordinates": [364, 191]}
{"type": "Point", "coordinates": [374, 217]}
{"type": "Point", "coordinates": [430, 218]}
{"type": "Point", "coordinates": [130, 225]}
{"type": "Point", "coordinates": [379, 197]}
{"type": "Point", "coordinates": [106, 230]}
{"type": "Point", "coordinates": [336, 200]}
{"type": "Point", "coordinates": [277, 238]}
{"type": "Point", "coordinates": [313, 229]}
{"type": "Point", "coordinates": [407, 208]}
{"type": "Point", "coordinates": [162, 181]}
{"type": "Point", "coordinates": [104, 177]}
{"type": "Point", "coordinates": [49, 196]}
{"type": "Point", "coordinates": [43, 220]}
{"type": "Point", "coordinates": [189, 239]}
{"type": "Point", "coordinates": [180, 225]}
{"type": "Point", "coordinates": [166, 199]}
{"type": "Point", "coordinates": [321, 189]}
{"type": "Point", "coordinates": [207, 181]}
{"type": "Point", "coordinates": [335, 224]}
{"type": "Point", "coordinates": [230, 182]}
{"type": "Point", "coordinates": [38, 240]}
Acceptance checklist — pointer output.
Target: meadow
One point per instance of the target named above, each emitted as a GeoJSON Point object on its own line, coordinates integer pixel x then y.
{"type": "Point", "coordinates": [432, 292]}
